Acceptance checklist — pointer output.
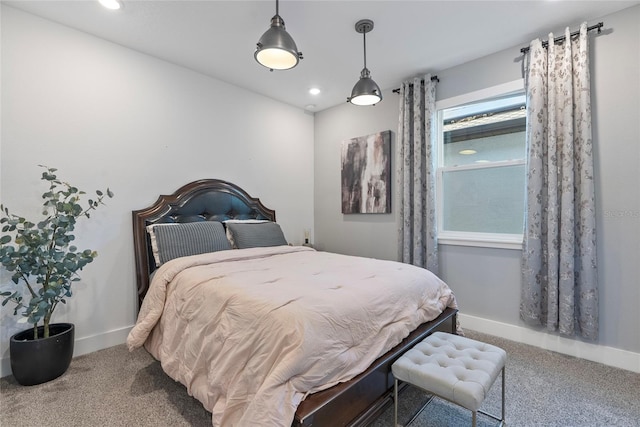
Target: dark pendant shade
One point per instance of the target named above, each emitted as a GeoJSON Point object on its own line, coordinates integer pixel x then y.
{"type": "Point", "coordinates": [365, 91]}
{"type": "Point", "coordinates": [276, 49]}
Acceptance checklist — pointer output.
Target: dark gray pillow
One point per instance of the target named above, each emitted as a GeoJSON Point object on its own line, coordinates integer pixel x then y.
{"type": "Point", "coordinates": [192, 238]}
{"type": "Point", "coordinates": [247, 235]}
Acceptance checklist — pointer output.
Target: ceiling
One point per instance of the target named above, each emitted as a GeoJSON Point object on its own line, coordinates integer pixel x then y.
{"type": "Point", "coordinates": [217, 38]}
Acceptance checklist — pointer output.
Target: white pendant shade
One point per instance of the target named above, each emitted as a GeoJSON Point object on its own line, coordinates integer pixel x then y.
{"type": "Point", "coordinates": [366, 100]}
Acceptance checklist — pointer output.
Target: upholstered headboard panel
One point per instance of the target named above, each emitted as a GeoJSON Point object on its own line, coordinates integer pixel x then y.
{"type": "Point", "coordinates": [203, 200]}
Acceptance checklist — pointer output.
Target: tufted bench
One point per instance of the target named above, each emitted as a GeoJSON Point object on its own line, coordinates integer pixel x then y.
{"type": "Point", "coordinates": [455, 368]}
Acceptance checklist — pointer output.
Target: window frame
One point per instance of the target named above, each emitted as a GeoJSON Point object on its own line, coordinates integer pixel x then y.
{"type": "Point", "coordinates": [468, 238]}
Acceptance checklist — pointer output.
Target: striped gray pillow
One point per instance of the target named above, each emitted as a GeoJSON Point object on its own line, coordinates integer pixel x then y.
{"type": "Point", "coordinates": [192, 238]}
{"type": "Point", "coordinates": [248, 235]}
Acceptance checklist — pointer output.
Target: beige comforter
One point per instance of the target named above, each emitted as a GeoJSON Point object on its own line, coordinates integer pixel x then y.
{"type": "Point", "coordinates": [250, 332]}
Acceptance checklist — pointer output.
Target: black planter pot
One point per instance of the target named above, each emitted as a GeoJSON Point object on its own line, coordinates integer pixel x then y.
{"type": "Point", "coordinates": [38, 361]}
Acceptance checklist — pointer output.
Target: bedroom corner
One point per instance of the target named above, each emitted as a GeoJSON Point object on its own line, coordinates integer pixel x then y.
{"type": "Point", "coordinates": [105, 113]}
{"type": "Point", "coordinates": [482, 277]}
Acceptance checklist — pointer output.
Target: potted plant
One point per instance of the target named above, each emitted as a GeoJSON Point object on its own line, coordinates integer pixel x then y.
{"type": "Point", "coordinates": [43, 264]}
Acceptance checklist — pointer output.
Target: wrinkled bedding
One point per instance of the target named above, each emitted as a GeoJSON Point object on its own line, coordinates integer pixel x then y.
{"type": "Point", "coordinates": [250, 332]}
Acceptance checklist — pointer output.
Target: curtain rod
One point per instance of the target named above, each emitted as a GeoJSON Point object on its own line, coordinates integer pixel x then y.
{"type": "Point", "coordinates": [433, 78]}
{"type": "Point", "coordinates": [560, 39]}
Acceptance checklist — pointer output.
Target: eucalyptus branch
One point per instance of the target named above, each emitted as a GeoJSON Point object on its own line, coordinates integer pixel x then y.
{"type": "Point", "coordinates": [53, 307]}
{"type": "Point", "coordinates": [26, 282]}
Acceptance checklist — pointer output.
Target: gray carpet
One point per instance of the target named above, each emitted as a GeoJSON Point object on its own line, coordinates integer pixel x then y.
{"type": "Point", "coordinates": [113, 387]}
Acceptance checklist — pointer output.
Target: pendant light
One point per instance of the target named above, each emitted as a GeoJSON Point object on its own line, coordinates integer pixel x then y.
{"type": "Point", "coordinates": [366, 91]}
{"type": "Point", "coordinates": [276, 49]}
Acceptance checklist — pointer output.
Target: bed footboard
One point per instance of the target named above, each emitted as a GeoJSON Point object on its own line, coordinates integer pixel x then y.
{"type": "Point", "coordinates": [359, 401]}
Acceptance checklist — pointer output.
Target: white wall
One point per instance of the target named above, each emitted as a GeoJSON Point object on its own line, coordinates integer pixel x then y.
{"type": "Point", "coordinates": [370, 235]}
{"type": "Point", "coordinates": [105, 115]}
{"type": "Point", "coordinates": [487, 281]}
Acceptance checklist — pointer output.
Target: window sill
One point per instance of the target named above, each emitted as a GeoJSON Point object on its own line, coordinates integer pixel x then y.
{"type": "Point", "coordinates": [482, 240]}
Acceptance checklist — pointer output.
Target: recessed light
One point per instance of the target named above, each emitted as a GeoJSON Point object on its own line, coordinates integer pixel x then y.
{"type": "Point", "coordinates": [314, 91]}
{"type": "Point", "coordinates": [111, 4]}
{"type": "Point", "coordinates": [467, 152]}
{"type": "Point", "coordinates": [482, 161]}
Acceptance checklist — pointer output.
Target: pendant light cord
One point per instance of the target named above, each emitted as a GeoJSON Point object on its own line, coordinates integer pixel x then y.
{"type": "Point", "coordinates": [364, 41]}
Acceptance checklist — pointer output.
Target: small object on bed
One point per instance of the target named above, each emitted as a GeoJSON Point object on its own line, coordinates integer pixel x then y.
{"type": "Point", "coordinates": [455, 368]}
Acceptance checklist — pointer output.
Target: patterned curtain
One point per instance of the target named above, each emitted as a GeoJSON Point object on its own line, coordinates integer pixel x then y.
{"type": "Point", "coordinates": [416, 174]}
{"type": "Point", "coordinates": [560, 288]}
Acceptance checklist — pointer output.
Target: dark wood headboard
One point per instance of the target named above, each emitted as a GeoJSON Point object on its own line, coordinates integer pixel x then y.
{"type": "Point", "coordinates": [202, 200]}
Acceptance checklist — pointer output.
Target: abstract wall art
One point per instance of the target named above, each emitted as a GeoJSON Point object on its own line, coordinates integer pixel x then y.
{"type": "Point", "coordinates": [366, 174]}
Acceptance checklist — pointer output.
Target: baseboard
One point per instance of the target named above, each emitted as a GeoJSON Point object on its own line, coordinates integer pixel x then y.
{"type": "Point", "coordinates": [597, 353]}
{"type": "Point", "coordinates": [83, 345]}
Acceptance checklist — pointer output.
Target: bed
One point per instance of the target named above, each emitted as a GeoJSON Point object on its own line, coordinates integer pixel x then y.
{"type": "Point", "coordinates": [351, 394]}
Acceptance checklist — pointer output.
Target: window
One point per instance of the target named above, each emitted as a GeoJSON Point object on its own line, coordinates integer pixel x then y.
{"type": "Point", "coordinates": [481, 168]}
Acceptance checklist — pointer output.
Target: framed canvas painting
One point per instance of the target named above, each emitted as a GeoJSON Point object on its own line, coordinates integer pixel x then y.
{"type": "Point", "coordinates": [366, 174]}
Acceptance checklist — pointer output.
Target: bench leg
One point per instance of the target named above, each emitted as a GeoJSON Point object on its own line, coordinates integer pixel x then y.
{"type": "Point", "coordinates": [503, 394]}
{"type": "Point", "coordinates": [395, 402]}
{"type": "Point", "coordinates": [474, 418]}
